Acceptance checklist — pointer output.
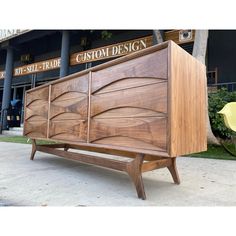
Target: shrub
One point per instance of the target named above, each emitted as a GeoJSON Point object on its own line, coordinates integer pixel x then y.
{"type": "Point", "coordinates": [216, 102]}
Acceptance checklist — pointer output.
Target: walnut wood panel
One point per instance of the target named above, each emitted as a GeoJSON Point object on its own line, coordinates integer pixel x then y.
{"type": "Point", "coordinates": [128, 83]}
{"type": "Point", "coordinates": [187, 103]}
{"type": "Point", "coordinates": [141, 101]}
{"type": "Point", "coordinates": [69, 99]}
{"type": "Point", "coordinates": [37, 110]}
{"type": "Point", "coordinates": [39, 94]}
{"type": "Point", "coordinates": [143, 133]}
{"type": "Point", "coordinates": [76, 108]}
{"type": "Point", "coordinates": [36, 107]}
{"type": "Point", "coordinates": [128, 112]}
{"type": "Point", "coordinates": [153, 65]}
{"type": "Point", "coordinates": [75, 84]}
{"type": "Point", "coordinates": [75, 130]}
{"type": "Point", "coordinates": [35, 129]}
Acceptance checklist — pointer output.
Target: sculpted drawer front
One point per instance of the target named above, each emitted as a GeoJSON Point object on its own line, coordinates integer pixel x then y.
{"type": "Point", "coordinates": [70, 87]}
{"type": "Point", "coordinates": [145, 69]}
{"type": "Point", "coordinates": [143, 133]}
{"type": "Point", "coordinates": [70, 130]}
{"type": "Point", "coordinates": [148, 100]}
{"type": "Point", "coordinates": [37, 104]}
{"type": "Point", "coordinates": [69, 99]}
{"type": "Point", "coordinates": [41, 94]}
{"type": "Point", "coordinates": [37, 129]}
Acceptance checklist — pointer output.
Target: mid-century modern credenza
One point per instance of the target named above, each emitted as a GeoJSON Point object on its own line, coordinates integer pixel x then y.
{"type": "Point", "coordinates": [149, 106]}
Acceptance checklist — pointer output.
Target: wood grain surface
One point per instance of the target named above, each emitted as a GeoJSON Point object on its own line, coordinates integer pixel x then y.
{"type": "Point", "coordinates": [75, 130]}
{"type": "Point", "coordinates": [146, 132]}
{"type": "Point", "coordinates": [186, 102]}
{"type": "Point", "coordinates": [36, 113]}
{"type": "Point", "coordinates": [147, 98]}
{"type": "Point", "coordinates": [35, 129]}
{"type": "Point", "coordinates": [153, 65]}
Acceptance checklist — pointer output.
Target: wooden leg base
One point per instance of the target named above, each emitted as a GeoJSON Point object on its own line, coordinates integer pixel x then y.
{"type": "Point", "coordinates": [174, 172]}
{"type": "Point", "coordinates": [33, 150]}
{"type": "Point", "coordinates": [134, 168]}
{"type": "Point", "coordinates": [66, 148]}
{"type": "Point", "coordinates": [170, 163]}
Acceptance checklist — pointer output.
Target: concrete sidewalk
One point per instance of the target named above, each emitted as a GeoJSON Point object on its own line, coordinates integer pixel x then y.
{"type": "Point", "coordinates": [53, 181]}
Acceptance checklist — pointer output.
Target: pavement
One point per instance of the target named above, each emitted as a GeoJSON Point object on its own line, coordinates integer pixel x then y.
{"type": "Point", "coordinates": [53, 181]}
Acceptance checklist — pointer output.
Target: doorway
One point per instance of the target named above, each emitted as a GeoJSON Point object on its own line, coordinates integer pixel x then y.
{"type": "Point", "coordinates": [18, 95]}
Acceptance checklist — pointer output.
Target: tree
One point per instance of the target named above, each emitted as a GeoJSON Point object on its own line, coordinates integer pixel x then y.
{"type": "Point", "coordinates": [199, 52]}
{"type": "Point", "coordinates": [157, 36]}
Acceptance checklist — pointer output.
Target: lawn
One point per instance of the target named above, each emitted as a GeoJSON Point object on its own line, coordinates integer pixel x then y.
{"type": "Point", "coordinates": [213, 152]}
{"type": "Point", "coordinates": [21, 139]}
{"type": "Point", "coordinates": [216, 152]}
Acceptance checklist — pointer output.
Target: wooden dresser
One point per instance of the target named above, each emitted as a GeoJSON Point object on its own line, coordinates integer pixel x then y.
{"type": "Point", "coordinates": [149, 106]}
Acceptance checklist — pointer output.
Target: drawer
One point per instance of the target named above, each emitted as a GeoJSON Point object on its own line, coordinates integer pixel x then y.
{"type": "Point", "coordinates": [151, 67]}
{"type": "Point", "coordinates": [74, 108]}
{"type": "Point", "coordinates": [37, 104]}
{"type": "Point", "coordinates": [69, 99]}
{"type": "Point", "coordinates": [37, 110]}
{"type": "Point", "coordinates": [70, 88]}
{"type": "Point", "coordinates": [41, 94]}
{"type": "Point", "coordinates": [68, 130]}
{"type": "Point", "coordinates": [35, 129]}
{"type": "Point", "coordinates": [149, 100]}
{"type": "Point", "coordinates": [144, 133]}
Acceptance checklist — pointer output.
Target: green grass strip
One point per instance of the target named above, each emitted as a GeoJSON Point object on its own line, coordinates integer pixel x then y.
{"type": "Point", "coordinates": [215, 152]}
{"type": "Point", "coordinates": [22, 139]}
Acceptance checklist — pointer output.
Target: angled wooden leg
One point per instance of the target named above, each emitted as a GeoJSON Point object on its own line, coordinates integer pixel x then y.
{"type": "Point", "coordinates": [174, 172]}
{"type": "Point", "coordinates": [33, 149]}
{"type": "Point", "coordinates": [66, 148]}
{"type": "Point", "coordinates": [134, 169]}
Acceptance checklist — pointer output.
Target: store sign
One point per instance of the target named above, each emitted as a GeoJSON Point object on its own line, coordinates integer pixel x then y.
{"type": "Point", "coordinates": [110, 51]}
{"type": "Point", "coordinates": [35, 67]}
{"type": "Point", "coordinates": [115, 50]}
{"type": "Point", "coordinates": [38, 67]}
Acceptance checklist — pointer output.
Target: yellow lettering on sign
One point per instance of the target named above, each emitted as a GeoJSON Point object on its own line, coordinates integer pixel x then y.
{"type": "Point", "coordinates": [110, 51]}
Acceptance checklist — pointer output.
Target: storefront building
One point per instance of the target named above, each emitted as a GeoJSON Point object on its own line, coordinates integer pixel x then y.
{"type": "Point", "coordinates": [29, 58]}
